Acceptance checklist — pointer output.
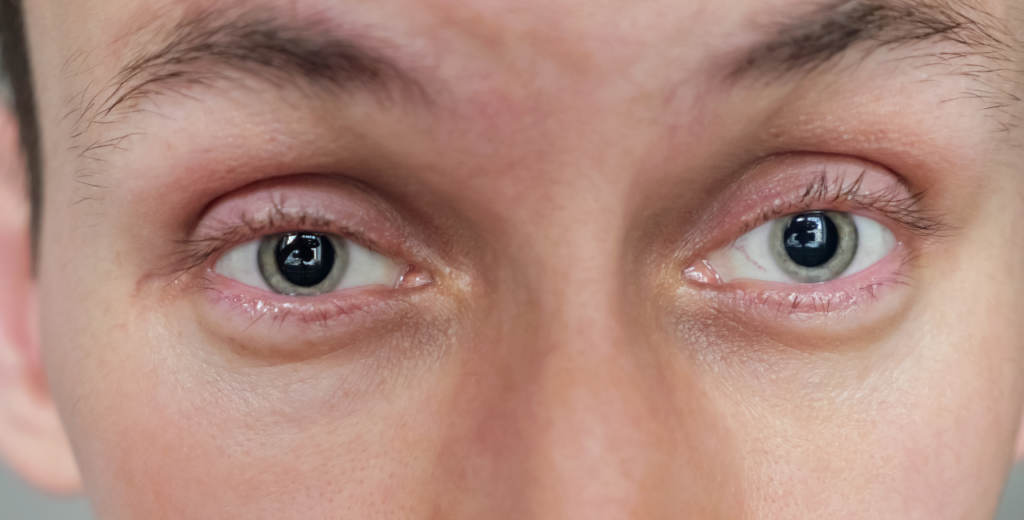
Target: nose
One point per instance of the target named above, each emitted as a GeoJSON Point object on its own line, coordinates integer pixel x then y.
{"type": "Point", "coordinates": [594, 414]}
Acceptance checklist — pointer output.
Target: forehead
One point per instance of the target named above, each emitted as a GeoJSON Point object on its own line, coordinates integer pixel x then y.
{"type": "Point", "coordinates": [647, 46]}
{"type": "Point", "coordinates": [532, 45]}
{"type": "Point", "coordinates": [505, 64]}
{"type": "Point", "coordinates": [512, 73]}
{"type": "Point", "coordinates": [492, 26]}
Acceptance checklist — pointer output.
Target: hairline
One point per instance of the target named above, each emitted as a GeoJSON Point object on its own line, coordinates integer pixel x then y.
{"type": "Point", "coordinates": [14, 59]}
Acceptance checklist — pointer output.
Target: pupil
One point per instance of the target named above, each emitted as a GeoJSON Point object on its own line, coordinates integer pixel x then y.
{"type": "Point", "coordinates": [811, 239]}
{"type": "Point", "coordinates": [305, 259]}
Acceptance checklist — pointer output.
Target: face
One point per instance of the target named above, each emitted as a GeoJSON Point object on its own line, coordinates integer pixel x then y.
{"type": "Point", "coordinates": [532, 259]}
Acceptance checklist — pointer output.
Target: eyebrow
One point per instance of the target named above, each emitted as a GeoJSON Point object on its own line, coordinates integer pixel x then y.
{"type": "Point", "coordinates": [201, 46]}
{"type": "Point", "coordinates": [263, 44]}
{"type": "Point", "coordinates": [834, 28]}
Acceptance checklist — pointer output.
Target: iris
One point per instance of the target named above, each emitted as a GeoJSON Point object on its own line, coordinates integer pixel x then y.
{"type": "Point", "coordinates": [305, 260]}
{"type": "Point", "coordinates": [303, 263]}
{"type": "Point", "coordinates": [814, 247]}
{"type": "Point", "coordinates": [811, 239]}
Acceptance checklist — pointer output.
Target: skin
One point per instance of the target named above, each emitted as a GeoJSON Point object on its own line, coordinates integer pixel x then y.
{"type": "Point", "coordinates": [572, 160]}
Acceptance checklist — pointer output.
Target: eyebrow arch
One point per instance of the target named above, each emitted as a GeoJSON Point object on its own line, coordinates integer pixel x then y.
{"type": "Point", "coordinates": [834, 28]}
{"type": "Point", "coordinates": [202, 44]}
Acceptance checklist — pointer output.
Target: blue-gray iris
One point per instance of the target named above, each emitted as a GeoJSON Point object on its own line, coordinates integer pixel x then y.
{"type": "Point", "coordinates": [305, 259]}
{"type": "Point", "coordinates": [811, 239]}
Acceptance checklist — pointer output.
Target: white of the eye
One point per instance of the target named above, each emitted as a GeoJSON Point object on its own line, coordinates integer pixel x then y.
{"type": "Point", "coordinates": [241, 264]}
{"type": "Point", "coordinates": [750, 256]}
{"type": "Point", "coordinates": [365, 267]}
{"type": "Point", "coordinates": [368, 268]}
{"type": "Point", "coordinates": [874, 242]}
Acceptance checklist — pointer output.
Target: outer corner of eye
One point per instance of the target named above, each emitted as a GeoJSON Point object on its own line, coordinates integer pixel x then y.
{"type": "Point", "coordinates": [805, 248]}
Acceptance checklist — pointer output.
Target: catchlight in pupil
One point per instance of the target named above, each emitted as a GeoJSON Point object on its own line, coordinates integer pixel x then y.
{"type": "Point", "coordinates": [305, 259]}
{"type": "Point", "coordinates": [808, 248]}
{"type": "Point", "coordinates": [306, 263]}
{"type": "Point", "coordinates": [811, 239]}
{"type": "Point", "coordinates": [303, 263]}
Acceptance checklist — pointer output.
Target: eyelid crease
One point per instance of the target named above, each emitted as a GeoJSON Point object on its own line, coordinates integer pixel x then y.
{"type": "Point", "coordinates": [892, 202]}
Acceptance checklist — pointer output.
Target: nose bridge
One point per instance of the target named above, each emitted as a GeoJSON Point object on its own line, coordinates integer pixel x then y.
{"type": "Point", "coordinates": [601, 418]}
{"type": "Point", "coordinates": [593, 443]}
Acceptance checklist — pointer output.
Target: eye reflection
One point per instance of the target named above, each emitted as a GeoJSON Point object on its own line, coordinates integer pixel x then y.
{"type": "Point", "coordinates": [811, 247]}
{"type": "Point", "coordinates": [304, 260]}
{"type": "Point", "coordinates": [307, 263]}
{"type": "Point", "coordinates": [814, 247]}
{"type": "Point", "coordinates": [811, 239]}
{"type": "Point", "coordinates": [302, 263]}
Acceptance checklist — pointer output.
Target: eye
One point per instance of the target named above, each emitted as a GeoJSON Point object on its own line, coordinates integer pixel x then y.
{"type": "Point", "coordinates": [307, 264]}
{"type": "Point", "coordinates": [811, 247]}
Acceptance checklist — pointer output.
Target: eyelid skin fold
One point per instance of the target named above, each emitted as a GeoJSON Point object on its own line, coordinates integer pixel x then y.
{"type": "Point", "coordinates": [309, 202]}
{"type": "Point", "coordinates": [390, 279]}
{"type": "Point", "coordinates": [796, 184]}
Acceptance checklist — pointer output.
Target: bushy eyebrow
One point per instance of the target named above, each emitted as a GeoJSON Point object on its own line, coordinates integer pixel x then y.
{"type": "Point", "coordinates": [202, 45]}
{"type": "Point", "coordinates": [832, 29]}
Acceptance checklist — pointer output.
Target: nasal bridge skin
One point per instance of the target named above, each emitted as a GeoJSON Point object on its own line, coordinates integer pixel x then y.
{"type": "Point", "coordinates": [580, 409]}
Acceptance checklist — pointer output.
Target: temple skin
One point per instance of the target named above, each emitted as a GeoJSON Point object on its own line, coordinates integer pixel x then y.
{"type": "Point", "coordinates": [548, 169]}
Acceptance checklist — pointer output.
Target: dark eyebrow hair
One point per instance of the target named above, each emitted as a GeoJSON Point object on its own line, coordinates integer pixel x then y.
{"type": "Point", "coordinates": [836, 27]}
{"type": "Point", "coordinates": [201, 46]}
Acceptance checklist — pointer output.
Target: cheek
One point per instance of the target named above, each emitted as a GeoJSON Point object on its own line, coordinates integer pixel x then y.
{"type": "Point", "coordinates": [164, 429]}
{"type": "Point", "coordinates": [923, 433]}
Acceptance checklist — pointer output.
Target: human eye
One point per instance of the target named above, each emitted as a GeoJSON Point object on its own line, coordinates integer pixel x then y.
{"type": "Point", "coordinates": [272, 259]}
{"type": "Point", "coordinates": [816, 235]}
{"type": "Point", "coordinates": [308, 263]}
{"type": "Point", "coordinates": [809, 248]}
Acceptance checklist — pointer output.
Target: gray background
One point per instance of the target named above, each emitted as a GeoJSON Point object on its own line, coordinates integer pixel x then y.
{"type": "Point", "coordinates": [20, 502]}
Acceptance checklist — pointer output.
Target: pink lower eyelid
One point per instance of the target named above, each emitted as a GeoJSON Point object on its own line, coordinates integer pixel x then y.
{"type": "Point", "coordinates": [703, 272]}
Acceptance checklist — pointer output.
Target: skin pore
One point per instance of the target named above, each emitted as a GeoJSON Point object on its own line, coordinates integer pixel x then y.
{"type": "Point", "coordinates": [555, 180]}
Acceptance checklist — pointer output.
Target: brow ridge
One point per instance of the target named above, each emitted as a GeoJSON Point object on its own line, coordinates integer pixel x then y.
{"type": "Point", "coordinates": [203, 45]}
{"type": "Point", "coordinates": [834, 28]}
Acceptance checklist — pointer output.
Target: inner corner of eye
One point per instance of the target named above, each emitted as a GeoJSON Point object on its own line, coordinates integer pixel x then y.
{"type": "Point", "coordinates": [804, 248]}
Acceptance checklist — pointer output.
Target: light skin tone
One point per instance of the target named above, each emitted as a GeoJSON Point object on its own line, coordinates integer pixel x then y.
{"type": "Point", "coordinates": [556, 184]}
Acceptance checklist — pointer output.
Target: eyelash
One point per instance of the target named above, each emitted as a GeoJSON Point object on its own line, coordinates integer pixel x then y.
{"type": "Point", "coordinates": [199, 251]}
{"type": "Point", "coordinates": [902, 209]}
{"type": "Point", "coordinates": [894, 203]}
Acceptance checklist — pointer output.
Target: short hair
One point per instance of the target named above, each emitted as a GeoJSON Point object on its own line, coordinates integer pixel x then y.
{"type": "Point", "coordinates": [14, 62]}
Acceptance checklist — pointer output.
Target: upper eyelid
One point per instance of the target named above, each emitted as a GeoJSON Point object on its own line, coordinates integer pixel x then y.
{"type": "Point", "coordinates": [903, 209]}
{"type": "Point", "coordinates": [202, 250]}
